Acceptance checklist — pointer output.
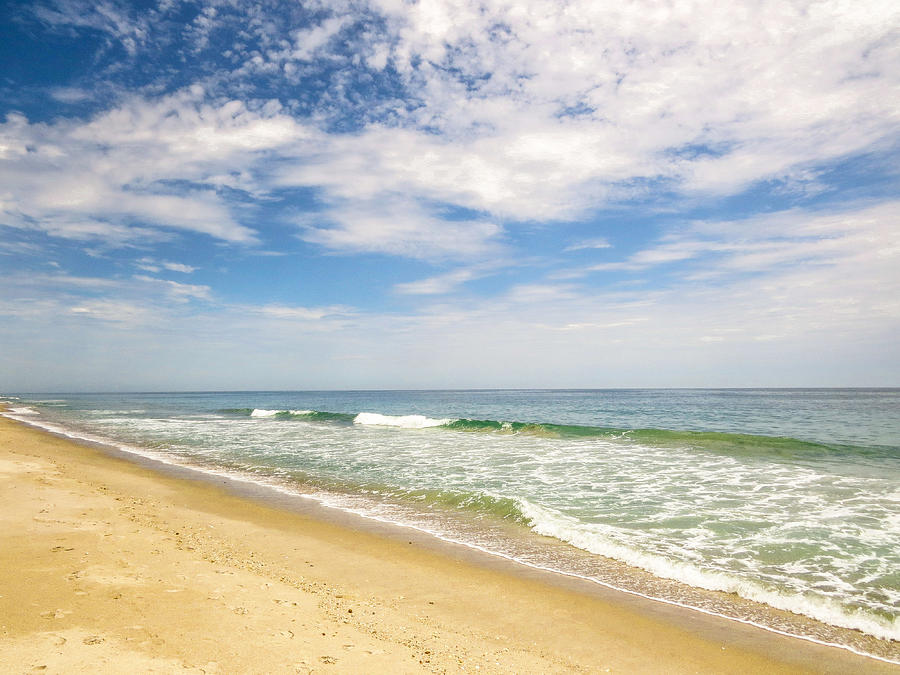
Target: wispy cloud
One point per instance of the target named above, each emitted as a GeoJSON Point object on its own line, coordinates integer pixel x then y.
{"type": "Point", "coordinates": [70, 94]}
{"type": "Point", "coordinates": [400, 226]}
{"type": "Point", "coordinates": [155, 266]}
{"type": "Point", "coordinates": [776, 240]}
{"type": "Point", "coordinates": [175, 290]}
{"type": "Point", "coordinates": [111, 310]}
{"type": "Point", "coordinates": [440, 284]}
{"type": "Point", "coordinates": [60, 280]}
{"type": "Point", "coordinates": [595, 243]}
{"type": "Point", "coordinates": [294, 313]}
{"type": "Point", "coordinates": [111, 19]}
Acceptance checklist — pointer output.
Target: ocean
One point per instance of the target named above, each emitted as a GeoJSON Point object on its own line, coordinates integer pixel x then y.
{"type": "Point", "coordinates": [777, 507]}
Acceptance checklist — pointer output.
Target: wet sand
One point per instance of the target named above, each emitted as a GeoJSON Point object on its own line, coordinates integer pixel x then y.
{"type": "Point", "coordinates": [110, 565]}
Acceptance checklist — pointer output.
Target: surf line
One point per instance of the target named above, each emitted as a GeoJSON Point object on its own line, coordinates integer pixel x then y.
{"type": "Point", "coordinates": [28, 420]}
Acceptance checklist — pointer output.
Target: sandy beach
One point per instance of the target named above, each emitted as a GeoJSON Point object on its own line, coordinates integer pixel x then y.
{"type": "Point", "coordinates": [108, 565]}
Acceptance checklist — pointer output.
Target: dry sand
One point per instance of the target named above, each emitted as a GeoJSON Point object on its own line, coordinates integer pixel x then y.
{"type": "Point", "coordinates": [109, 566]}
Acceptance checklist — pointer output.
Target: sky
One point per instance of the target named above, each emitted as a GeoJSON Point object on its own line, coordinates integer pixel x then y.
{"type": "Point", "coordinates": [389, 194]}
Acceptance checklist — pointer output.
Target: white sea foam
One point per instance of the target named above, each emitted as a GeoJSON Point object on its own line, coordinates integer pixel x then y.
{"type": "Point", "coordinates": [23, 411]}
{"type": "Point", "coordinates": [403, 421]}
{"type": "Point", "coordinates": [260, 412]}
{"type": "Point", "coordinates": [591, 538]}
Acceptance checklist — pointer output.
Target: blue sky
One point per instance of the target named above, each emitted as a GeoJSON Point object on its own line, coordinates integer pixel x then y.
{"type": "Point", "coordinates": [391, 194]}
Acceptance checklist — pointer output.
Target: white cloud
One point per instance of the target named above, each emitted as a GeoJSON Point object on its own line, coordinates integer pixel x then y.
{"type": "Point", "coordinates": [308, 41]}
{"type": "Point", "coordinates": [515, 113]}
{"type": "Point", "coordinates": [826, 294]}
{"type": "Point", "coordinates": [440, 284]}
{"type": "Point", "coordinates": [155, 266]}
{"type": "Point", "coordinates": [176, 291]}
{"type": "Point", "coordinates": [497, 114]}
{"type": "Point", "coordinates": [122, 175]}
{"type": "Point", "coordinates": [62, 304]}
{"type": "Point", "coordinates": [19, 248]}
{"type": "Point", "coordinates": [521, 116]}
{"type": "Point", "coordinates": [864, 236]}
{"type": "Point", "coordinates": [70, 94]}
{"type": "Point", "coordinates": [294, 313]}
{"type": "Point", "coordinates": [497, 175]}
{"type": "Point", "coordinates": [535, 294]}
{"type": "Point", "coordinates": [772, 87]}
{"type": "Point", "coordinates": [64, 281]}
{"type": "Point", "coordinates": [105, 17]}
{"type": "Point", "coordinates": [178, 267]}
{"type": "Point", "coordinates": [111, 310]}
{"type": "Point", "coordinates": [595, 243]}
{"type": "Point", "coordinates": [824, 321]}
{"type": "Point", "coordinates": [398, 226]}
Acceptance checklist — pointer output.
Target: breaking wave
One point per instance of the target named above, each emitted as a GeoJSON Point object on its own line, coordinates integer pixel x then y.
{"type": "Point", "coordinates": [734, 444]}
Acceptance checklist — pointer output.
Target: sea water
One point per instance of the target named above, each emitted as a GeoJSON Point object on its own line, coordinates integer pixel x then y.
{"type": "Point", "coordinates": [775, 507]}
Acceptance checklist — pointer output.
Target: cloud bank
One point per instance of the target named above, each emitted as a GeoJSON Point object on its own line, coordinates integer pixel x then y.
{"type": "Point", "coordinates": [572, 178]}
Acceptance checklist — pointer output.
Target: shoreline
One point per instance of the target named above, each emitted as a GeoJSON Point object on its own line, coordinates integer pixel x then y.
{"type": "Point", "coordinates": [483, 613]}
{"type": "Point", "coordinates": [611, 575]}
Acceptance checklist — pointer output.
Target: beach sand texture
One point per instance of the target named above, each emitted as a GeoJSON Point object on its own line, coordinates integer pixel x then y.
{"type": "Point", "coordinates": [109, 566]}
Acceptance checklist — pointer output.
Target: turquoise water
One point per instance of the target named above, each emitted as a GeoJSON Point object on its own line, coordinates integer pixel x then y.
{"type": "Point", "coordinates": [789, 498]}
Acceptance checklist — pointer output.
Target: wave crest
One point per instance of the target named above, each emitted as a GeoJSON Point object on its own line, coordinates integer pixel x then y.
{"type": "Point", "coordinates": [402, 421]}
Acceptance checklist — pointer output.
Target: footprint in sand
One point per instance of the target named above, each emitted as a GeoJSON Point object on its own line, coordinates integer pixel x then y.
{"type": "Point", "coordinates": [57, 614]}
